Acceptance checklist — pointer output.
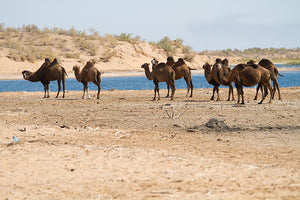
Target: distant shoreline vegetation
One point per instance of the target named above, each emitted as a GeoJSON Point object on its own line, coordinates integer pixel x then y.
{"type": "Point", "coordinates": [30, 43]}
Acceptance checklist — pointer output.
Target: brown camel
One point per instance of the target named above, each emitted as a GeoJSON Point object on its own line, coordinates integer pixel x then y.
{"type": "Point", "coordinates": [49, 71]}
{"type": "Point", "coordinates": [161, 73]}
{"type": "Point", "coordinates": [182, 70]}
{"type": "Point", "coordinates": [216, 76]}
{"type": "Point", "coordinates": [248, 75]}
{"type": "Point", "coordinates": [210, 80]}
{"type": "Point", "coordinates": [274, 75]}
{"type": "Point", "coordinates": [88, 74]}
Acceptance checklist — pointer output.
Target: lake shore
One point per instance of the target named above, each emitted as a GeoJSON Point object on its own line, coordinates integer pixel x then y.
{"type": "Point", "coordinates": [18, 76]}
{"type": "Point", "coordinates": [125, 146]}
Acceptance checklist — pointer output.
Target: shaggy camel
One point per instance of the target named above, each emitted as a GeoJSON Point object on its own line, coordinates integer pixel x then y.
{"type": "Point", "coordinates": [161, 73]}
{"type": "Point", "coordinates": [49, 71]}
{"type": "Point", "coordinates": [274, 75]}
{"type": "Point", "coordinates": [88, 74]}
{"type": "Point", "coordinates": [182, 70]}
{"type": "Point", "coordinates": [248, 75]}
{"type": "Point", "coordinates": [210, 80]}
{"type": "Point", "coordinates": [225, 71]}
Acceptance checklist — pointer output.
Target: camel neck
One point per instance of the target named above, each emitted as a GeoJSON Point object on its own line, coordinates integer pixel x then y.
{"type": "Point", "coordinates": [148, 73]}
{"type": "Point", "coordinates": [77, 75]}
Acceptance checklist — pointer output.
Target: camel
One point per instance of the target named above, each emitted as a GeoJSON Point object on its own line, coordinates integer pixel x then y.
{"type": "Point", "coordinates": [88, 74]}
{"type": "Point", "coordinates": [49, 71]}
{"type": "Point", "coordinates": [160, 73]}
{"type": "Point", "coordinates": [182, 70]}
{"type": "Point", "coordinates": [225, 70]}
{"type": "Point", "coordinates": [274, 75]}
{"type": "Point", "coordinates": [210, 80]}
{"type": "Point", "coordinates": [248, 75]}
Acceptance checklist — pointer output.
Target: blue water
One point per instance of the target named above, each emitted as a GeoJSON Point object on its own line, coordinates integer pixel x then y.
{"type": "Point", "coordinates": [290, 79]}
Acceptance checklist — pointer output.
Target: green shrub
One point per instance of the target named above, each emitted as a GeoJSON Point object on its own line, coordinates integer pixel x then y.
{"type": "Point", "coordinates": [108, 54]}
{"type": "Point", "coordinates": [166, 45]}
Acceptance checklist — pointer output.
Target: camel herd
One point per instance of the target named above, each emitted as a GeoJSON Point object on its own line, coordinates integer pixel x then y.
{"type": "Point", "coordinates": [248, 75]}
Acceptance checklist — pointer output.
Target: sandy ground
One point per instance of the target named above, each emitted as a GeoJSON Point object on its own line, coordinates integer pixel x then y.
{"type": "Point", "coordinates": [125, 146]}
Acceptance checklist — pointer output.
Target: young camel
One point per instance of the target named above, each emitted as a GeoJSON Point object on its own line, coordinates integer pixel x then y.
{"type": "Point", "coordinates": [248, 75]}
{"type": "Point", "coordinates": [211, 80]}
{"type": "Point", "coordinates": [274, 75]}
{"type": "Point", "coordinates": [225, 71]}
{"type": "Point", "coordinates": [88, 74]}
{"type": "Point", "coordinates": [182, 70]}
{"type": "Point", "coordinates": [49, 71]}
{"type": "Point", "coordinates": [161, 73]}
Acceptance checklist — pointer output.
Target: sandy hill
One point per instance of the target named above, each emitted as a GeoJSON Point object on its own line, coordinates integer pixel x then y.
{"type": "Point", "coordinates": [27, 47]}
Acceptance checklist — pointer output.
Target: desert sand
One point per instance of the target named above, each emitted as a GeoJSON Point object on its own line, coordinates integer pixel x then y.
{"type": "Point", "coordinates": [125, 146]}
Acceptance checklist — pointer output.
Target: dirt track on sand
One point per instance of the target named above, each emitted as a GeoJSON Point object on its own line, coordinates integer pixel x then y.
{"type": "Point", "coordinates": [125, 146]}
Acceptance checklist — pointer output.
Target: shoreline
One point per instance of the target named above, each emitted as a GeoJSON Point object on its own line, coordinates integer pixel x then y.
{"type": "Point", "coordinates": [18, 76]}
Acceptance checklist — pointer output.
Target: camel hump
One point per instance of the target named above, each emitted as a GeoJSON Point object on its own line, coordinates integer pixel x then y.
{"type": "Point", "coordinates": [54, 62]}
{"type": "Point", "coordinates": [264, 62]}
{"type": "Point", "coordinates": [180, 61]}
{"type": "Point", "coordinates": [47, 60]}
{"type": "Point", "coordinates": [240, 66]}
{"type": "Point", "coordinates": [225, 62]}
{"type": "Point", "coordinates": [251, 62]}
{"type": "Point", "coordinates": [170, 61]}
{"type": "Point", "coordinates": [218, 60]}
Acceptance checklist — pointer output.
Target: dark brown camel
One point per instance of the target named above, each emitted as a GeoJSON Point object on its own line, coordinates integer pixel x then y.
{"type": "Point", "coordinates": [182, 70]}
{"type": "Point", "coordinates": [88, 74]}
{"type": "Point", "coordinates": [249, 75]}
{"type": "Point", "coordinates": [161, 73]}
{"type": "Point", "coordinates": [274, 75]}
{"type": "Point", "coordinates": [216, 70]}
{"type": "Point", "coordinates": [210, 80]}
{"type": "Point", "coordinates": [49, 71]}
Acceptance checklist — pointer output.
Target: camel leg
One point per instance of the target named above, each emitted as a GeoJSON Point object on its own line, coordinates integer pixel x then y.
{"type": "Point", "coordinates": [99, 88]}
{"type": "Point", "coordinates": [192, 87]}
{"type": "Point", "coordinates": [231, 92]}
{"type": "Point", "coordinates": [276, 85]}
{"type": "Point", "coordinates": [173, 91]}
{"type": "Point", "coordinates": [242, 94]}
{"type": "Point", "coordinates": [59, 88]}
{"type": "Point", "coordinates": [238, 88]}
{"type": "Point", "coordinates": [48, 91]}
{"type": "Point", "coordinates": [84, 86]}
{"type": "Point", "coordinates": [188, 86]}
{"type": "Point", "coordinates": [87, 91]}
{"type": "Point", "coordinates": [64, 87]}
{"type": "Point", "coordinates": [45, 90]}
{"type": "Point", "coordinates": [168, 95]}
{"type": "Point", "coordinates": [214, 90]}
{"type": "Point", "coordinates": [259, 86]}
{"type": "Point", "coordinates": [218, 97]}
{"type": "Point", "coordinates": [265, 94]}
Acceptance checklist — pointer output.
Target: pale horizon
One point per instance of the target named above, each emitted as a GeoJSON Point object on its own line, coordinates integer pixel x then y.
{"type": "Point", "coordinates": [213, 25]}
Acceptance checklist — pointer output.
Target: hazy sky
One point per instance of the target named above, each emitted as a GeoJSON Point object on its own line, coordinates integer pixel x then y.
{"type": "Point", "coordinates": [211, 24]}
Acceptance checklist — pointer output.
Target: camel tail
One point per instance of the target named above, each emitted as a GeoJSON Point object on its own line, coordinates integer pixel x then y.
{"type": "Point", "coordinates": [64, 71]}
{"type": "Point", "coordinates": [193, 69]}
{"type": "Point", "coordinates": [277, 72]}
{"type": "Point", "coordinates": [99, 76]}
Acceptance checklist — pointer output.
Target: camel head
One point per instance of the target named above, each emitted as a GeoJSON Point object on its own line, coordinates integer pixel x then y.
{"type": "Point", "coordinates": [145, 65]}
{"type": "Point", "coordinates": [207, 66]}
{"type": "Point", "coordinates": [218, 63]}
{"type": "Point", "coordinates": [76, 68]}
{"type": "Point", "coordinates": [154, 61]}
{"type": "Point", "coordinates": [26, 74]}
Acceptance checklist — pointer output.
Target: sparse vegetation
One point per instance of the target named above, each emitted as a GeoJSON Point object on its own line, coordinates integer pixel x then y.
{"type": "Point", "coordinates": [108, 54]}
{"type": "Point", "coordinates": [30, 43]}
